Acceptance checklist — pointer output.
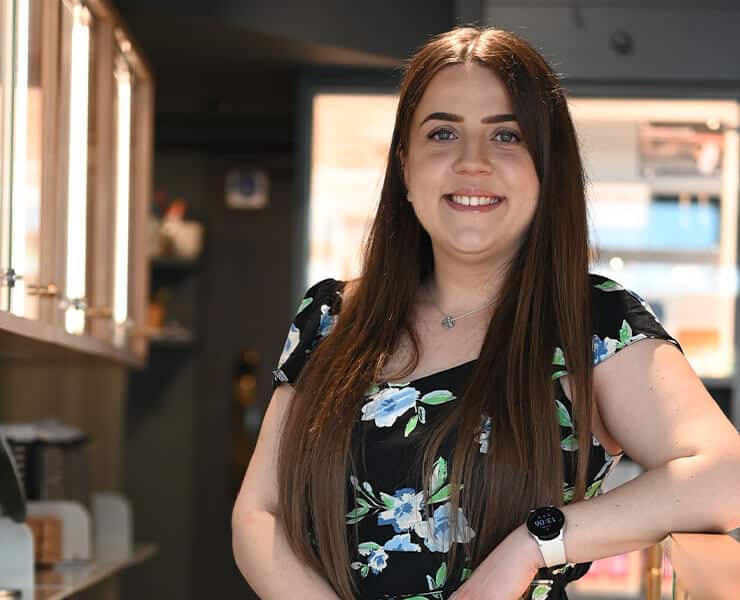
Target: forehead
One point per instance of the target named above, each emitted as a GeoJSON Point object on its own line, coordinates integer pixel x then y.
{"type": "Point", "coordinates": [467, 89]}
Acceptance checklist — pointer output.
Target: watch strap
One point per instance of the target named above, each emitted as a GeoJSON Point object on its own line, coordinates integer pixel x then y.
{"type": "Point", "coordinates": [553, 551]}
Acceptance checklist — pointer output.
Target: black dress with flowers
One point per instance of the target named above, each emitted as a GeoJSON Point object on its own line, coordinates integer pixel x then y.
{"type": "Point", "coordinates": [403, 537]}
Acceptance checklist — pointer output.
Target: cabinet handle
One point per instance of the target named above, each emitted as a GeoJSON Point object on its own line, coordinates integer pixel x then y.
{"type": "Point", "coordinates": [99, 312]}
{"type": "Point", "coordinates": [45, 291]}
{"type": "Point", "coordinates": [9, 277]}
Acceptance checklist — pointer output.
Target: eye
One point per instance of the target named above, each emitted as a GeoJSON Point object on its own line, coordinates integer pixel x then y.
{"type": "Point", "coordinates": [507, 134]}
{"type": "Point", "coordinates": [441, 134]}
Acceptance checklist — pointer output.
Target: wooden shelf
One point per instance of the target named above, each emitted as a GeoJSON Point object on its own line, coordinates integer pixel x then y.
{"type": "Point", "coordinates": [24, 339]}
{"type": "Point", "coordinates": [67, 580]}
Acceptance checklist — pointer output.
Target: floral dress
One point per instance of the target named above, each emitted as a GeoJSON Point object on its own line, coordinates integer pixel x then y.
{"type": "Point", "coordinates": [403, 537]}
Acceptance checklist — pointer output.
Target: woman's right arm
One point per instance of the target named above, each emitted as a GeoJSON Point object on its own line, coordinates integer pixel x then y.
{"type": "Point", "coordinates": [260, 546]}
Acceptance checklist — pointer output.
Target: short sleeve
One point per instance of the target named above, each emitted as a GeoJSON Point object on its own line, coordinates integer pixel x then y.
{"type": "Point", "coordinates": [620, 318]}
{"type": "Point", "coordinates": [313, 320]}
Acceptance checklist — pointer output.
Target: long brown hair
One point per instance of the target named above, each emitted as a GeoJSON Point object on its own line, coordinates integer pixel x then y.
{"type": "Point", "coordinates": [544, 304]}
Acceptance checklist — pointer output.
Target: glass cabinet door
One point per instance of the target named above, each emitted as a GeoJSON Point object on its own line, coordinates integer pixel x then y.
{"type": "Point", "coordinates": [125, 83]}
{"type": "Point", "coordinates": [7, 41]}
{"type": "Point", "coordinates": [21, 152]}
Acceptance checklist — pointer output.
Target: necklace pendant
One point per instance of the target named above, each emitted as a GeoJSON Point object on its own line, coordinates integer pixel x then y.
{"type": "Point", "coordinates": [448, 322]}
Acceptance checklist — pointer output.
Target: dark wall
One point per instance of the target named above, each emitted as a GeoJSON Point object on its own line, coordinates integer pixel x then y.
{"type": "Point", "coordinates": [382, 27]}
{"type": "Point", "coordinates": [654, 41]}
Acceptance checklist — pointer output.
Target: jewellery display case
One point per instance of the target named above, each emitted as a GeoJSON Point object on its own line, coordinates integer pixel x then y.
{"type": "Point", "coordinates": [75, 157]}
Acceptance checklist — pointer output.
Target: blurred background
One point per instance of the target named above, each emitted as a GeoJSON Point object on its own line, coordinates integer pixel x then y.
{"type": "Point", "coordinates": [176, 174]}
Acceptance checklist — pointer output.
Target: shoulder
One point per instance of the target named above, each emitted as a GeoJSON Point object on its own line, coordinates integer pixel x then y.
{"type": "Point", "coordinates": [621, 317]}
{"type": "Point", "coordinates": [313, 320]}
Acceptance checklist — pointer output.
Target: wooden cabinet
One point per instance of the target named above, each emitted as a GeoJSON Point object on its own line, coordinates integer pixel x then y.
{"type": "Point", "coordinates": [76, 122]}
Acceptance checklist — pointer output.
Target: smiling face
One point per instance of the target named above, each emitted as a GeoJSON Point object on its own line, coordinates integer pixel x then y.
{"type": "Point", "coordinates": [469, 175]}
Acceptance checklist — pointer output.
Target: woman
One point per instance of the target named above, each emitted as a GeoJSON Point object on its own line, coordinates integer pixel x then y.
{"type": "Point", "coordinates": [422, 411]}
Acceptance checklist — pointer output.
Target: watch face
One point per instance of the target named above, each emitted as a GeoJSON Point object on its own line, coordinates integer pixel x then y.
{"type": "Point", "coordinates": [546, 522]}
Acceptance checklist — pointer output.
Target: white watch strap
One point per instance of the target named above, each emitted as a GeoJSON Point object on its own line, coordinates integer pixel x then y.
{"type": "Point", "coordinates": [553, 551]}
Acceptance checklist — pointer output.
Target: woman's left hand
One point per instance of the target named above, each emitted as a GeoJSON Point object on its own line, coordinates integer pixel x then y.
{"type": "Point", "coordinates": [506, 572]}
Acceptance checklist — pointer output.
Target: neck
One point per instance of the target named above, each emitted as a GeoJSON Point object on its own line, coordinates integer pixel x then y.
{"type": "Point", "coordinates": [457, 288]}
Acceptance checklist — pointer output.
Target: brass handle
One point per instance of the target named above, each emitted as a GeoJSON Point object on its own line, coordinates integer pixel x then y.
{"type": "Point", "coordinates": [99, 312]}
{"type": "Point", "coordinates": [43, 291]}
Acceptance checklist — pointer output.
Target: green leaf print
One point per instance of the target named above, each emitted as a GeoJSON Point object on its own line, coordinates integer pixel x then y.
{"type": "Point", "coordinates": [558, 358]}
{"type": "Point", "coordinates": [411, 425]}
{"type": "Point", "coordinates": [625, 333]}
{"type": "Point", "coordinates": [570, 443]}
{"type": "Point", "coordinates": [304, 303]}
{"type": "Point", "coordinates": [398, 385]}
{"type": "Point", "coordinates": [609, 286]}
{"type": "Point", "coordinates": [437, 397]}
{"type": "Point", "coordinates": [593, 488]}
{"type": "Point", "coordinates": [366, 548]}
{"type": "Point", "coordinates": [465, 574]}
{"type": "Point", "coordinates": [356, 515]}
{"type": "Point", "coordinates": [541, 592]}
{"type": "Point", "coordinates": [363, 502]}
{"type": "Point", "coordinates": [364, 571]}
{"type": "Point", "coordinates": [373, 389]}
{"type": "Point", "coordinates": [568, 494]}
{"type": "Point", "coordinates": [439, 474]}
{"type": "Point", "coordinates": [387, 500]}
{"type": "Point", "coordinates": [558, 374]}
{"type": "Point", "coordinates": [563, 415]}
{"type": "Point", "coordinates": [441, 576]}
{"type": "Point", "coordinates": [442, 494]}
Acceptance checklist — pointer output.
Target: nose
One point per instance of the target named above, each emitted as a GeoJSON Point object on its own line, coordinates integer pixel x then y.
{"type": "Point", "coordinates": [472, 158]}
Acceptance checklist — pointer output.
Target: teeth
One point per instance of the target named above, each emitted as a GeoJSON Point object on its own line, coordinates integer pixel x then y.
{"type": "Point", "coordinates": [474, 200]}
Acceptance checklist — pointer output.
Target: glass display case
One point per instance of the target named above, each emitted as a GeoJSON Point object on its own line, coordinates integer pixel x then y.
{"type": "Point", "coordinates": [71, 197]}
{"type": "Point", "coordinates": [662, 200]}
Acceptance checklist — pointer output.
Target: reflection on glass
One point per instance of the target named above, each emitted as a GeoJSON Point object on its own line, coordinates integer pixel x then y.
{"type": "Point", "coordinates": [123, 158]}
{"type": "Point", "coordinates": [77, 186]}
{"type": "Point", "coordinates": [27, 154]}
{"type": "Point", "coordinates": [6, 139]}
{"type": "Point", "coordinates": [348, 158]}
{"type": "Point", "coordinates": [663, 178]}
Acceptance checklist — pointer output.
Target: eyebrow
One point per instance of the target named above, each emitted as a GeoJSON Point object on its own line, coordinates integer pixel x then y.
{"type": "Point", "coordinates": [444, 116]}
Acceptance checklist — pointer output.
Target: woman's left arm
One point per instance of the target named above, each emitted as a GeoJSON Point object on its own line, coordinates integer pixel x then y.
{"type": "Point", "coordinates": [657, 409]}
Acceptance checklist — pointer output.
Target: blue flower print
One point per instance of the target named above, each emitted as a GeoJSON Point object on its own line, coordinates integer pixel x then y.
{"type": "Point", "coordinates": [436, 531]}
{"type": "Point", "coordinates": [290, 344]}
{"type": "Point", "coordinates": [326, 323]}
{"type": "Point", "coordinates": [603, 349]}
{"type": "Point", "coordinates": [377, 561]}
{"type": "Point", "coordinates": [404, 509]}
{"type": "Point", "coordinates": [389, 404]}
{"type": "Point", "coordinates": [401, 543]}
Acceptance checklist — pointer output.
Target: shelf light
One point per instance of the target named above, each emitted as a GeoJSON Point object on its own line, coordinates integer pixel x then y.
{"type": "Point", "coordinates": [77, 185]}
{"type": "Point", "coordinates": [19, 155]}
{"type": "Point", "coordinates": [123, 174]}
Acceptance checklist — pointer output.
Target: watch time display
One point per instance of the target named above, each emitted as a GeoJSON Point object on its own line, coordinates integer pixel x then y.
{"type": "Point", "coordinates": [546, 522]}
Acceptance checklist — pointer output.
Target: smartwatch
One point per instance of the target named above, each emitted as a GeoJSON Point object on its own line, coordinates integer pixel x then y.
{"type": "Point", "coordinates": [546, 525]}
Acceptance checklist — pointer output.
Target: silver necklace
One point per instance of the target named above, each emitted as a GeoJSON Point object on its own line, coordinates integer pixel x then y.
{"type": "Point", "coordinates": [449, 321]}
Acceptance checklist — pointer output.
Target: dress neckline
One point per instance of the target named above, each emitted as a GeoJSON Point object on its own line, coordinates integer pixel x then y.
{"type": "Point", "coordinates": [434, 374]}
